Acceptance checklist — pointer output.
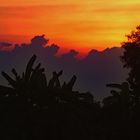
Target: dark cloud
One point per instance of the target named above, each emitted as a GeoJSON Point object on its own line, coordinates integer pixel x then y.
{"type": "Point", "coordinates": [5, 45]}
{"type": "Point", "coordinates": [94, 71]}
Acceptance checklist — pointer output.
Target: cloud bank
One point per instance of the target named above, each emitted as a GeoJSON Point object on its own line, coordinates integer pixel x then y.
{"type": "Point", "coordinates": [94, 71]}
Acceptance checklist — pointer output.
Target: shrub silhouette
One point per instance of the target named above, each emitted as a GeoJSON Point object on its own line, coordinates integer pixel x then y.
{"type": "Point", "coordinates": [33, 80]}
{"type": "Point", "coordinates": [36, 108]}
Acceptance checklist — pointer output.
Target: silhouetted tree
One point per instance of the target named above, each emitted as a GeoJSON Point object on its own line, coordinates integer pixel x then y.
{"type": "Point", "coordinates": [36, 108]}
{"type": "Point", "coordinates": [131, 60]}
{"type": "Point", "coordinates": [125, 103]}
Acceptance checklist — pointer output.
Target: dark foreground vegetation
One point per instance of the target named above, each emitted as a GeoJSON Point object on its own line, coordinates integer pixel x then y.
{"type": "Point", "coordinates": [35, 108]}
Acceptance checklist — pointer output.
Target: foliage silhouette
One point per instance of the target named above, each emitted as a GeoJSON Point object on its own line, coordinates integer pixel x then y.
{"type": "Point", "coordinates": [34, 80]}
{"type": "Point", "coordinates": [33, 107]}
{"type": "Point", "coordinates": [122, 97]}
{"type": "Point", "coordinates": [127, 100]}
{"type": "Point", "coordinates": [39, 109]}
{"type": "Point", "coordinates": [131, 60]}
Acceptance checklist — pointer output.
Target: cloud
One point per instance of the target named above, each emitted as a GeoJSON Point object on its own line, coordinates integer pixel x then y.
{"type": "Point", "coordinates": [94, 71]}
{"type": "Point", "coordinates": [5, 45]}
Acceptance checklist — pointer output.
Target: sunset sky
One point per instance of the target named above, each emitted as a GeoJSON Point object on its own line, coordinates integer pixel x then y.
{"type": "Point", "coordinates": [77, 24]}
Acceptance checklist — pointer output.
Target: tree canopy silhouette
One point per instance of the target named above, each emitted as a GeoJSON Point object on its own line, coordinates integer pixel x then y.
{"type": "Point", "coordinates": [131, 60]}
{"type": "Point", "coordinates": [127, 99]}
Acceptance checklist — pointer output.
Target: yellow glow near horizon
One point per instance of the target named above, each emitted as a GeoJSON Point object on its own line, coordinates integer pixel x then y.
{"type": "Point", "coordinates": [82, 25]}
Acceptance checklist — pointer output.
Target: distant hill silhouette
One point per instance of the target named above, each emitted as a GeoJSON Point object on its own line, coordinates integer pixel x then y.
{"type": "Point", "coordinates": [93, 71]}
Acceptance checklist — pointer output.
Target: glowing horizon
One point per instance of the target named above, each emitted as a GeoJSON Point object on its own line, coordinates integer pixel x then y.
{"type": "Point", "coordinates": [71, 24]}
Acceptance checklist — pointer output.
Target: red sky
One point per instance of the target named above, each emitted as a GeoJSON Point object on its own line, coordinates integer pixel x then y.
{"type": "Point", "coordinates": [77, 24]}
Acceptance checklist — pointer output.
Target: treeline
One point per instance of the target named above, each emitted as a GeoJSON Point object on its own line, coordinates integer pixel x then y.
{"type": "Point", "coordinates": [35, 108]}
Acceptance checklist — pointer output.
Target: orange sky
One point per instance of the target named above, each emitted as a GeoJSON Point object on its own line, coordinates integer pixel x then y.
{"type": "Point", "coordinates": [77, 24]}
